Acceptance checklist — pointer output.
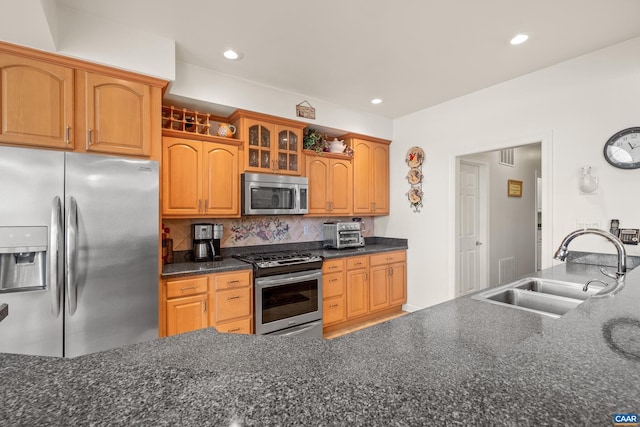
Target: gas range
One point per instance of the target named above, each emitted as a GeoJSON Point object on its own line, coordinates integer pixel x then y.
{"type": "Point", "coordinates": [282, 262]}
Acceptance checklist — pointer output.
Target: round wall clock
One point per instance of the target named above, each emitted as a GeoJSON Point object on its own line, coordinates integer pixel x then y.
{"type": "Point", "coordinates": [622, 150]}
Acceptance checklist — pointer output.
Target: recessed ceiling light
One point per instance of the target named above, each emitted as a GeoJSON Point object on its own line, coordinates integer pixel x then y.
{"type": "Point", "coordinates": [376, 101]}
{"type": "Point", "coordinates": [519, 39]}
{"type": "Point", "coordinates": [232, 54]}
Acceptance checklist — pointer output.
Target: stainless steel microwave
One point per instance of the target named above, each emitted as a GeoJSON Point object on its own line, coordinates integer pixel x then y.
{"type": "Point", "coordinates": [265, 194]}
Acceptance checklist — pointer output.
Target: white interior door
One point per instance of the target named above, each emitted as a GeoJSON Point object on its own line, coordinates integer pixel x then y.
{"type": "Point", "coordinates": [471, 244]}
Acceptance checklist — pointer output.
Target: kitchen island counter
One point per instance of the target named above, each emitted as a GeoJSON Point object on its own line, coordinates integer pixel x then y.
{"type": "Point", "coordinates": [460, 362]}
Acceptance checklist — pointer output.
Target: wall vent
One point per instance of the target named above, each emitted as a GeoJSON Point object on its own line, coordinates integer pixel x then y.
{"type": "Point", "coordinates": [506, 270]}
{"type": "Point", "coordinates": [506, 157]}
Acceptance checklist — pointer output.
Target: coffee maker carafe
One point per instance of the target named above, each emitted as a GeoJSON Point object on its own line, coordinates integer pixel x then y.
{"type": "Point", "coordinates": [206, 242]}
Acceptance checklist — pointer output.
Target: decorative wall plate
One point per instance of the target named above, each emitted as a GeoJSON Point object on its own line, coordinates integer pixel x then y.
{"type": "Point", "coordinates": [414, 176]}
{"type": "Point", "coordinates": [415, 196]}
{"type": "Point", "coordinates": [415, 157]}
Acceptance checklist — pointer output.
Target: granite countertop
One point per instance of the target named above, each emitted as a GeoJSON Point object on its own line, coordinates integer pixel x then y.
{"type": "Point", "coordinates": [228, 263]}
{"type": "Point", "coordinates": [461, 362]}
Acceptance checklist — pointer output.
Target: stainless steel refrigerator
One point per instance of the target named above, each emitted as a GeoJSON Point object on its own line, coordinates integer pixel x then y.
{"type": "Point", "coordinates": [78, 251]}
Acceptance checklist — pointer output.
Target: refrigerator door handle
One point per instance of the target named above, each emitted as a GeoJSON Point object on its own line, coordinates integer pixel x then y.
{"type": "Point", "coordinates": [55, 252]}
{"type": "Point", "coordinates": [71, 249]}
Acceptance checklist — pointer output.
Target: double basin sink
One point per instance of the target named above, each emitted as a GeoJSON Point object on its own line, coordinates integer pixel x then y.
{"type": "Point", "coordinates": [543, 296]}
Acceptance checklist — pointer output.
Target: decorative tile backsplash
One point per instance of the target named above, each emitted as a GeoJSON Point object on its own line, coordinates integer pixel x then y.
{"type": "Point", "coordinates": [258, 230]}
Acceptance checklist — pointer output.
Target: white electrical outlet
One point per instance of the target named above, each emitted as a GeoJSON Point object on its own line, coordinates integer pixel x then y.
{"type": "Point", "coordinates": [306, 229]}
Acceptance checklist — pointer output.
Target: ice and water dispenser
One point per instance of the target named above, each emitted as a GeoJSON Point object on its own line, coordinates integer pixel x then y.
{"type": "Point", "coordinates": [23, 256]}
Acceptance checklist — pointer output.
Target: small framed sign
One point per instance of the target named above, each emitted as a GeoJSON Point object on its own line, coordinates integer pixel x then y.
{"type": "Point", "coordinates": [514, 188]}
{"type": "Point", "coordinates": [305, 111]}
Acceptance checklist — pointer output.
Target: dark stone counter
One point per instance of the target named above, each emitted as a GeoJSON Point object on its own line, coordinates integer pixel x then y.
{"type": "Point", "coordinates": [461, 362]}
{"type": "Point", "coordinates": [372, 245]}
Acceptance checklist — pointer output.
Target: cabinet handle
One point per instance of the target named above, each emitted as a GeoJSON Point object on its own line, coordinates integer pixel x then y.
{"type": "Point", "coordinates": [333, 267]}
{"type": "Point", "coordinates": [333, 305]}
{"type": "Point", "coordinates": [236, 297]}
{"type": "Point", "coordinates": [206, 205]}
{"type": "Point", "coordinates": [234, 330]}
{"type": "Point", "coordinates": [188, 287]}
{"type": "Point", "coordinates": [89, 136]}
{"type": "Point", "coordinates": [205, 306]}
{"type": "Point", "coordinates": [366, 276]}
{"type": "Point", "coordinates": [230, 282]}
{"type": "Point", "coordinates": [333, 280]}
{"type": "Point", "coordinates": [67, 135]}
{"type": "Point", "coordinates": [199, 205]}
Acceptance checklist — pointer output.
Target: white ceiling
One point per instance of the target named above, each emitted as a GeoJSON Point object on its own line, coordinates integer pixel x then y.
{"type": "Point", "coordinates": [412, 53]}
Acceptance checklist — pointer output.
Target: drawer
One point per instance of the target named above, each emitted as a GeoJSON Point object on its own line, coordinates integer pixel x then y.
{"type": "Point", "coordinates": [184, 287]}
{"type": "Point", "coordinates": [333, 311]}
{"type": "Point", "coordinates": [242, 326]}
{"type": "Point", "coordinates": [388, 258]}
{"type": "Point", "coordinates": [333, 265]}
{"type": "Point", "coordinates": [237, 279]}
{"type": "Point", "coordinates": [357, 262]}
{"type": "Point", "coordinates": [231, 304]}
{"type": "Point", "coordinates": [332, 285]}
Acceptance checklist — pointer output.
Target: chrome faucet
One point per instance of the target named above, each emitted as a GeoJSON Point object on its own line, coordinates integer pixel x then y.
{"type": "Point", "coordinates": [562, 252]}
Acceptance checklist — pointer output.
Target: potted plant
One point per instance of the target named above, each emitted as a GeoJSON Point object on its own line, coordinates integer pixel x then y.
{"type": "Point", "coordinates": [314, 140]}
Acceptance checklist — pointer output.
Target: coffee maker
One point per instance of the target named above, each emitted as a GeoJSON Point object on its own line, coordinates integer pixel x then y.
{"type": "Point", "coordinates": [206, 242]}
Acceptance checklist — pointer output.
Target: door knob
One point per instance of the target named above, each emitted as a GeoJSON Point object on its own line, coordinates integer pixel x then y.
{"type": "Point", "coordinates": [478, 243]}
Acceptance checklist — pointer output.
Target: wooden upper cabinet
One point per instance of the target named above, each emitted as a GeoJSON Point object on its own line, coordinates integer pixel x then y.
{"type": "Point", "coordinates": [221, 179]}
{"type": "Point", "coordinates": [341, 186]}
{"type": "Point", "coordinates": [181, 176]}
{"type": "Point", "coordinates": [199, 178]}
{"type": "Point", "coordinates": [114, 114]}
{"type": "Point", "coordinates": [51, 101]}
{"type": "Point", "coordinates": [370, 175]}
{"type": "Point", "coordinates": [330, 185]}
{"type": "Point", "coordinates": [318, 173]}
{"type": "Point", "coordinates": [259, 152]}
{"type": "Point", "coordinates": [37, 102]}
{"type": "Point", "coordinates": [271, 144]}
{"type": "Point", "coordinates": [288, 150]}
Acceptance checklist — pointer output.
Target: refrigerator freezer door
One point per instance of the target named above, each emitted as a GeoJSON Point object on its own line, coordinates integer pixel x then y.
{"type": "Point", "coordinates": [30, 181]}
{"type": "Point", "coordinates": [112, 275]}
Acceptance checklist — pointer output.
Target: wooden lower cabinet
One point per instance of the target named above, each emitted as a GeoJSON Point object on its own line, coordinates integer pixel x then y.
{"type": "Point", "coordinates": [186, 314]}
{"type": "Point", "coordinates": [230, 296]}
{"type": "Point", "coordinates": [357, 289]}
{"type": "Point", "coordinates": [357, 286]}
{"type": "Point", "coordinates": [221, 300]}
{"type": "Point", "coordinates": [333, 292]}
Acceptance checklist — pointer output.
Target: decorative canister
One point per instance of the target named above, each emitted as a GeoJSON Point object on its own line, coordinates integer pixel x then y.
{"type": "Point", "coordinates": [226, 130]}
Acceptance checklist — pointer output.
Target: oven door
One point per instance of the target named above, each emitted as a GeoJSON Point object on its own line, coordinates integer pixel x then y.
{"type": "Point", "coordinates": [287, 300]}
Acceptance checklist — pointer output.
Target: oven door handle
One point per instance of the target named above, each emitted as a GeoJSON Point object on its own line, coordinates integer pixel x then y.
{"type": "Point", "coordinates": [279, 280]}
